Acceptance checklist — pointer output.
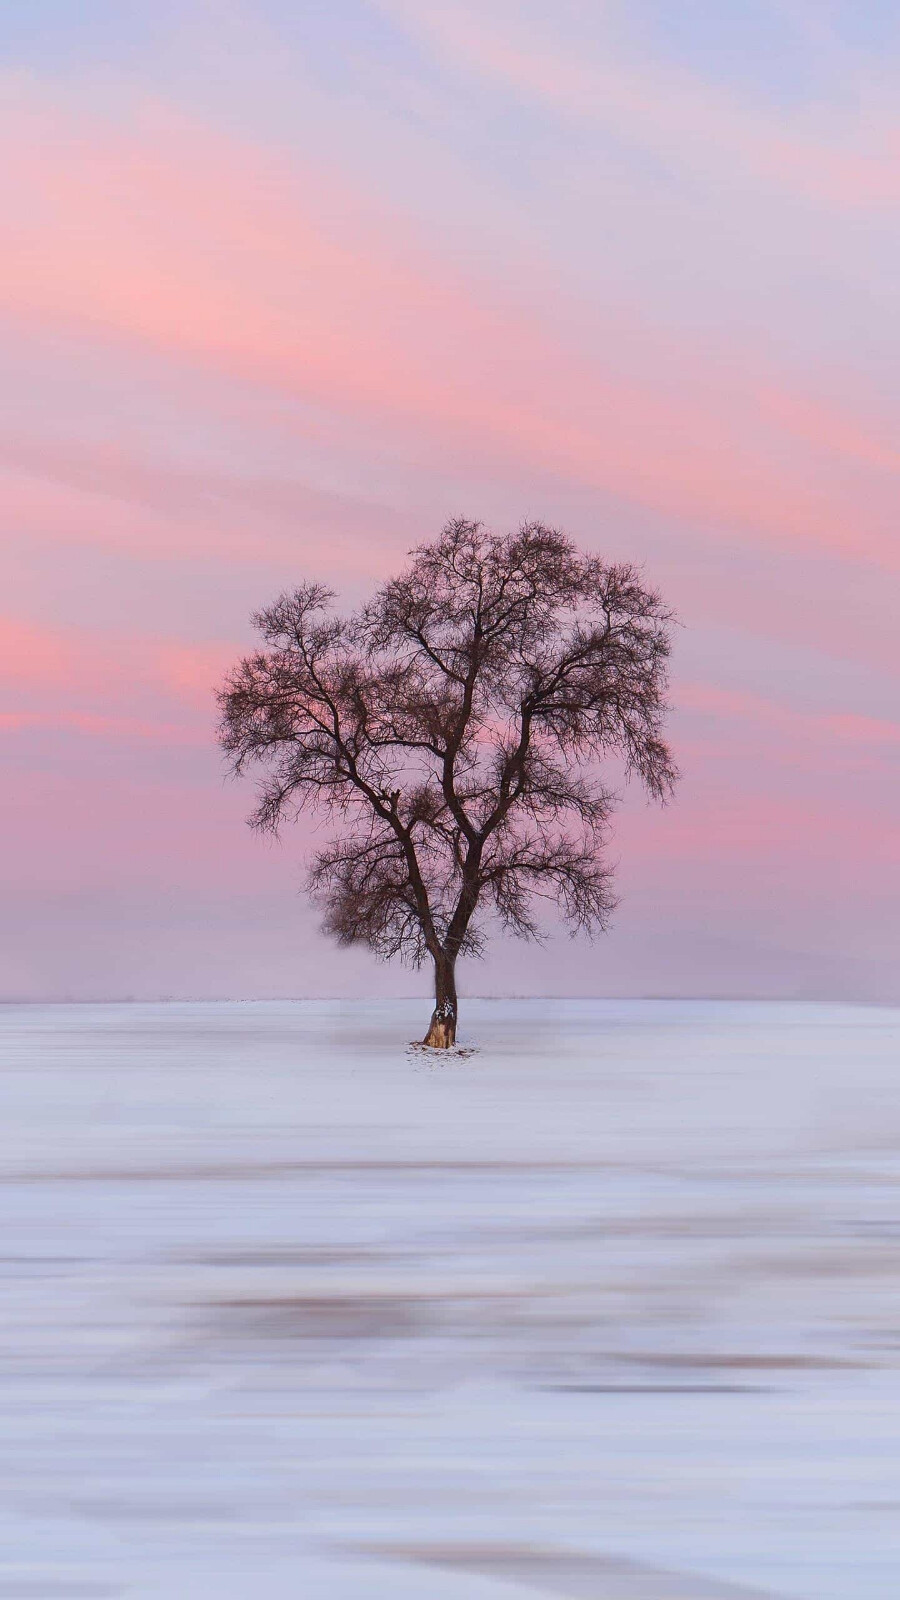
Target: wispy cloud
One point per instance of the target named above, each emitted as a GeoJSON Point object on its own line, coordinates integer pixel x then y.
{"type": "Point", "coordinates": [844, 157]}
{"type": "Point", "coordinates": [277, 312]}
{"type": "Point", "coordinates": [180, 241]}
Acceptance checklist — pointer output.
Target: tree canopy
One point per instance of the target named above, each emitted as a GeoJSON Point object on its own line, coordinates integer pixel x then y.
{"type": "Point", "coordinates": [455, 729]}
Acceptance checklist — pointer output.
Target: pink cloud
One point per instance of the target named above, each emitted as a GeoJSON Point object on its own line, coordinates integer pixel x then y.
{"type": "Point", "coordinates": [833, 432]}
{"type": "Point", "coordinates": [106, 494]}
{"type": "Point", "coordinates": [103, 727]}
{"type": "Point", "coordinates": [856, 729]}
{"type": "Point", "coordinates": [194, 672]}
{"type": "Point", "coordinates": [172, 239]}
{"type": "Point", "coordinates": [733, 706]}
{"type": "Point", "coordinates": [77, 679]}
{"type": "Point", "coordinates": [127, 830]}
{"type": "Point", "coordinates": [32, 654]}
{"type": "Point", "coordinates": [688, 123]}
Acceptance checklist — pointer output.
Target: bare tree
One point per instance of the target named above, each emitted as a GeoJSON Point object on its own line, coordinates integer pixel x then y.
{"type": "Point", "coordinates": [453, 729]}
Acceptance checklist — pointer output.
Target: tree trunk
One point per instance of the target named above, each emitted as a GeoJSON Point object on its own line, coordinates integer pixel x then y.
{"type": "Point", "coordinates": [442, 1028]}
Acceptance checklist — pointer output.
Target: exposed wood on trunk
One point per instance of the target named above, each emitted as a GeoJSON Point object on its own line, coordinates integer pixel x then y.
{"type": "Point", "coordinates": [441, 1033]}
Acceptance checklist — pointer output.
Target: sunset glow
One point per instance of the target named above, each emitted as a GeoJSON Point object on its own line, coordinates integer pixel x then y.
{"type": "Point", "coordinates": [280, 292]}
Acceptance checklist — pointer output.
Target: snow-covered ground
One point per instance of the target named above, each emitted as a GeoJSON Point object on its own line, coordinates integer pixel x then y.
{"type": "Point", "coordinates": [609, 1309]}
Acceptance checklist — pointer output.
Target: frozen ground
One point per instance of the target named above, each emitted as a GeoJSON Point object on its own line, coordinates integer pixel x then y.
{"type": "Point", "coordinates": [610, 1309]}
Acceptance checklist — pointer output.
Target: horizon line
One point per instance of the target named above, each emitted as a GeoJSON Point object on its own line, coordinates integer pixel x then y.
{"type": "Point", "coordinates": [309, 999]}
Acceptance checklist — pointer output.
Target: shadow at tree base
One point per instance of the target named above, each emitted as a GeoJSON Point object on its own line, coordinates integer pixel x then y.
{"type": "Point", "coordinates": [433, 1053]}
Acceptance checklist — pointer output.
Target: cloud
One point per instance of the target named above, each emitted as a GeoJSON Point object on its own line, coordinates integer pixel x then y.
{"type": "Point", "coordinates": [88, 492]}
{"type": "Point", "coordinates": [846, 161]}
{"type": "Point", "coordinates": [597, 287]}
{"type": "Point", "coordinates": [96, 683]}
{"type": "Point", "coordinates": [734, 709]}
{"type": "Point", "coordinates": [120, 729]}
{"type": "Point", "coordinates": [170, 238]}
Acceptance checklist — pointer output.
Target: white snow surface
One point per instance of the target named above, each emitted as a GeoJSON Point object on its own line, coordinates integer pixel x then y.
{"type": "Point", "coordinates": [610, 1308]}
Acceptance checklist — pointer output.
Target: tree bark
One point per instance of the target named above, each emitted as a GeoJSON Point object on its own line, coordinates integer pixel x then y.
{"type": "Point", "coordinates": [442, 1028]}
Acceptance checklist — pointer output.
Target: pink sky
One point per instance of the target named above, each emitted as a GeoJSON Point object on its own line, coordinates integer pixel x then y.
{"type": "Point", "coordinates": [278, 297]}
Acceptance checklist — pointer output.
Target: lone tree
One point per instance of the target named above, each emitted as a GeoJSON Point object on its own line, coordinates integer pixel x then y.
{"type": "Point", "coordinates": [453, 728]}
